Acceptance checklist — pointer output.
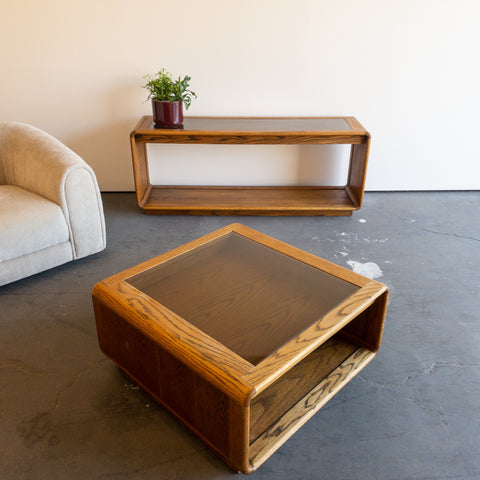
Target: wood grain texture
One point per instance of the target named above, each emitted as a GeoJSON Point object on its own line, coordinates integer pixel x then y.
{"type": "Point", "coordinates": [357, 173]}
{"type": "Point", "coordinates": [200, 352]}
{"type": "Point", "coordinates": [216, 417]}
{"type": "Point", "coordinates": [140, 171]}
{"type": "Point", "coordinates": [254, 130]}
{"type": "Point", "coordinates": [273, 128]}
{"type": "Point", "coordinates": [209, 200]}
{"type": "Point", "coordinates": [267, 407]}
{"type": "Point", "coordinates": [283, 429]}
{"type": "Point", "coordinates": [244, 412]}
{"type": "Point", "coordinates": [303, 344]}
{"type": "Point", "coordinates": [367, 327]}
{"type": "Point", "coordinates": [265, 138]}
{"type": "Point", "coordinates": [298, 254]}
{"type": "Point", "coordinates": [247, 296]}
{"type": "Point", "coordinates": [256, 236]}
{"type": "Point", "coordinates": [355, 124]}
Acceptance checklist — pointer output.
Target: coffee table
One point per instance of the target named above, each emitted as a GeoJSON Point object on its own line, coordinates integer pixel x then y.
{"type": "Point", "coordinates": [240, 336]}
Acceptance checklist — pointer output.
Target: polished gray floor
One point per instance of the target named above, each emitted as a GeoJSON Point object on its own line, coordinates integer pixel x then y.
{"type": "Point", "coordinates": [414, 413]}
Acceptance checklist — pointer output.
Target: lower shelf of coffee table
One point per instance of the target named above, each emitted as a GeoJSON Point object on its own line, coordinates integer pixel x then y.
{"type": "Point", "coordinates": [279, 411]}
{"type": "Point", "coordinates": [239, 200]}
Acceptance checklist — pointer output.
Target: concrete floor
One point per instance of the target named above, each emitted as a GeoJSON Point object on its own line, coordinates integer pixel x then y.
{"type": "Point", "coordinates": [414, 413]}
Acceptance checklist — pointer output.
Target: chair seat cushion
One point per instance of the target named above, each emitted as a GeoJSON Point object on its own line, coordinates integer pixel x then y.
{"type": "Point", "coordinates": [28, 223]}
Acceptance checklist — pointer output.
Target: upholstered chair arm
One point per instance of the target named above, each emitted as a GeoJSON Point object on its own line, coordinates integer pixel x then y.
{"type": "Point", "coordinates": [35, 161]}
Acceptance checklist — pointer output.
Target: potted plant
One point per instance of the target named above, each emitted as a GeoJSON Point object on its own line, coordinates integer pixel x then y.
{"type": "Point", "coordinates": [168, 96]}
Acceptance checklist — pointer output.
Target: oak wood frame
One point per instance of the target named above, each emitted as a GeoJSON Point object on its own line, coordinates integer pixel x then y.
{"type": "Point", "coordinates": [170, 358]}
{"type": "Point", "coordinates": [206, 200]}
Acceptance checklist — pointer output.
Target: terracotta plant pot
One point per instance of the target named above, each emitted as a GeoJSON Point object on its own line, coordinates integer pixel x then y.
{"type": "Point", "coordinates": [167, 114]}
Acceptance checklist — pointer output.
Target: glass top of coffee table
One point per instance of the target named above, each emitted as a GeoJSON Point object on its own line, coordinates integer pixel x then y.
{"type": "Point", "coordinates": [247, 296]}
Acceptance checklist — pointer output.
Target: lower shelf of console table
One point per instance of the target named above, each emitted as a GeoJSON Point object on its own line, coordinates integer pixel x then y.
{"type": "Point", "coordinates": [203, 200]}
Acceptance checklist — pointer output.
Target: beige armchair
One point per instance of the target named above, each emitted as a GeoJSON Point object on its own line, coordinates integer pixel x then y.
{"type": "Point", "coordinates": [50, 206]}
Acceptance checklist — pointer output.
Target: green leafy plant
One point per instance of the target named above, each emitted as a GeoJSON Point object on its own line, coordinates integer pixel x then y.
{"type": "Point", "coordinates": [164, 88]}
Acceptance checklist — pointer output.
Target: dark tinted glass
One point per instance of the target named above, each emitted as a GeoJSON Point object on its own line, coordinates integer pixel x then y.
{"type": "Point", "coordinates": [247, 296]}
{"type": "Point", "coordinates": [265, 124]}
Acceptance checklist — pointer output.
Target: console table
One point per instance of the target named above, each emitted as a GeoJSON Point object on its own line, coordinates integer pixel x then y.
{"type": "Point", "coordinates": [243, 200]}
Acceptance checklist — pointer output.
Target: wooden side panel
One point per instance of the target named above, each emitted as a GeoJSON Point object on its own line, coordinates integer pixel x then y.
{"type": "Point", "coordinates": [200, 352]}
{"type": "Point", "coordinates": [211, 414]}
{"type": "Point", "coordinates": [366, 329]}
{"type": "Point", "coordinates": [140, 170]}
{"type": "Point", "coordinates": [358, 171]}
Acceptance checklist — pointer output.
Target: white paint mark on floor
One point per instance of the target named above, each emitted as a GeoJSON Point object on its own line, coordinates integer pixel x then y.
{"type": "Point", "coordinates": [368, 269]}
{"type": "Point", "coordinates": [362, 220]}
{"type": "Point", "coordinates": [355, 237]}
{"type": "Point", "coordinates": [343, 254]}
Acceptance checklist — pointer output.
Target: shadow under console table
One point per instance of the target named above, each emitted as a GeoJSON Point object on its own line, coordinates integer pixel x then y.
{"type": "Point", "coordinates": [253, 200]}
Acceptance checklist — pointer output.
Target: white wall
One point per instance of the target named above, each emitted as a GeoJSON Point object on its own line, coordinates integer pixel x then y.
{"type": "Point", "coordinates": [409, 71]}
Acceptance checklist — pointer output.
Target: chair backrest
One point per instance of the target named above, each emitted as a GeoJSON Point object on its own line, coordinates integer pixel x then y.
{"type": "Point", "coordinates": [36, 161]}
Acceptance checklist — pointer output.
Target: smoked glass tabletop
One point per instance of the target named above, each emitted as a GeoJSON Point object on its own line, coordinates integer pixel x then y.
{"type": "Point", "coordinates": [245, 295]}
{"type": "Point", "coordinates": [264, 124]}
